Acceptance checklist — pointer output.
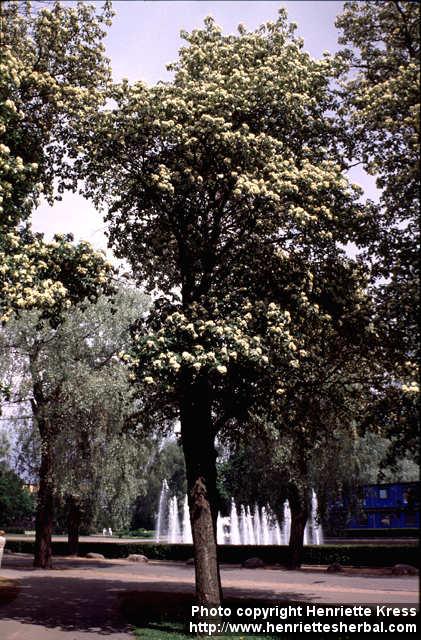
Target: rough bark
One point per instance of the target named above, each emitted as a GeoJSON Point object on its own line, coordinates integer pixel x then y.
{"type": "Point", "coordinates": [45, 505]}
{"type": "Point", "coordinates": [199, 451]}
{"type": "Point", "coordinates": [73, 524]}
{"type": "Point", "coordinates": [299, 516]}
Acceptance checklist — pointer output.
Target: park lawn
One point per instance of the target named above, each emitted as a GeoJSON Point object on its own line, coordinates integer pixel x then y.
{"type": "Point", "coordinates": [170, 633]}
{"type": "Point", "coordinates": [158, 615]}
{"type": "Point", "coordinates": [162, 615]}
{"type": "Point", "coordinates": [175, 631]}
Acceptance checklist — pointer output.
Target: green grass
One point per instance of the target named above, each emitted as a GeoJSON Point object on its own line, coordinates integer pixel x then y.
{"type": "Point", "coordinates": [164, 632]}
{"type": "Point", "coordinates": [150, 633]}
{"type": "Point", "coordinates": [174, 631]}
{"type": "Point", "coordinates": [135, 533]}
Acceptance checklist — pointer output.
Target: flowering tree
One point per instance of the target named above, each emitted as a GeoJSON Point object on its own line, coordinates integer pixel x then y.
{"type": "Point", "coordinates": [301, 410]}
{"type": "Point", "coordinates": [220, 175]}
{"type": "Point", "coordinates": [53, 71]}
{"type": "Point", "coordinates": [381, 104]}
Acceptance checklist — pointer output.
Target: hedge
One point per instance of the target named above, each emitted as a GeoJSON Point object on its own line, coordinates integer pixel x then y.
{"type": "Point", "coordinates": [378, 533]}
{"type": "Point", "coordinates": [381, 555]}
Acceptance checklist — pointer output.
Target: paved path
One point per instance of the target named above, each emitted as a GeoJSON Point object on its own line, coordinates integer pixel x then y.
{"type": "Point", "coordinates": [78, 599]}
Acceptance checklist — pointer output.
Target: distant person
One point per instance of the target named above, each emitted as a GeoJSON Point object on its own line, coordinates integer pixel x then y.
{"type": "Point", "coordinates": [2, 543]}
{"type": "Point", "coordinates": [110, 533]}
{"type": "Point", "coordinates": [104, 532]}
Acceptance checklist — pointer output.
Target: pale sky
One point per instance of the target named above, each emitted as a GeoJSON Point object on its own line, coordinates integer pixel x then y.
{"type": "Point", "coordinates": [144, 38]}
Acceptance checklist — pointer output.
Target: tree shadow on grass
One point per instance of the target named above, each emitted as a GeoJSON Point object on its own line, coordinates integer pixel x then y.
{"type": "Point", "coordinates": [24, 562]}
{"type": "Point", "coordinates": [9, 590]}
{"type": "Point", "coordinates": [152, 605]}
{"type": "Point", "coordinates": [68, 603]}
{"type": "Point", "coordinates": [107, 606]}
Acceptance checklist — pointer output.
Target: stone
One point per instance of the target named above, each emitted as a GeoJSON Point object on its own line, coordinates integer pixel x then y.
{"type": "Point", "coordinates": [335, 567]}
{"type": "Point", "coordinates": [253, 563]}
{"type": "Point", "coordinates": [404, 570]}
{"type": "Point", "coordinates": [190, 561]}
{"type": "Point", "coordinates": [137, 557]}
{"type": "Point", "coordinates": [95, 556]}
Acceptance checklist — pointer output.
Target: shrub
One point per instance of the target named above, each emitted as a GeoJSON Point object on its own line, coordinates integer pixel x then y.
{"type": "Point", "coordinates": [361, 555]}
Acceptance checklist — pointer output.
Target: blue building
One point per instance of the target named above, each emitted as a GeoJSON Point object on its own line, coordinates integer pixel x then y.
{"type": "Point", "coordinates": [387, 506]}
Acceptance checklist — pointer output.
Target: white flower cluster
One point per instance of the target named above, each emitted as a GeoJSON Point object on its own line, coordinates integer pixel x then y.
{"type": "Point", "coordinates": [411, 388]}
{"type": "Point", "coordinates": [196, 343]}
{"type": "Point", "coordinates": [30, 272]}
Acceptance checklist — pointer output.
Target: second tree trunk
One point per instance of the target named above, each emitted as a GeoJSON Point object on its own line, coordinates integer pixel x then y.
{"type": "Point", "coordinates": [45, 506]}
{"type": "Point", "coordinates": [299, 516]}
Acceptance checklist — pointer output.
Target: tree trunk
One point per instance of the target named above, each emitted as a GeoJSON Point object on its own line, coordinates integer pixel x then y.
{"type": "Point", "coordinates": [45, 506]}
{"type": "Point", "coordinates": [299, 516]}
{"type": "Point", "coordinates": [73, 524]}
{"type": "Point", "coordinates": [200, 456]}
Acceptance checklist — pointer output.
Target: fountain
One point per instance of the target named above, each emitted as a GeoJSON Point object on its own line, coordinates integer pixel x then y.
{"type": "Point", "coordinates": [161, 525]}
{"type": "Point", "coordinates": [234, 525]}
{"type": "Point", "coordinates": [265, 538]}
{"type": "Point", "coordinates": [286, 523]}
{"type": "Point", "coordinates": [250, 528]}
{"type": "Point", "coordinates": [277, 533]}
{"type": "Point", "coordinates": [316, 527]}
{"type": "Point", "coordinates": [260, 527]}
{"type": "Point", "coordinates": [244, 532]}
{"type": "Point", "coordinates": [220, 534]}
{"type": "Point", "coordinates": [173, 521]}
{"type": "Point", "coordinates": [187, 533]}
{"type": "Point", "coordinates": [257, 525]}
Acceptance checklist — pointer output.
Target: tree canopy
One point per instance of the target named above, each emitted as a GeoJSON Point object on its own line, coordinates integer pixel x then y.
{"type": "Point", "coordinates": [53, 70]}
{"type": "Point", "coordinates": [224, 188]}
{"type": "Point", "coordinates": [81, 397]}
{"type": "Point", "coordinates": [16, 503]}
{"type": "Point", "coordinates": [230, 169]}
{"type": "Point", "coordinates": [381, 104]}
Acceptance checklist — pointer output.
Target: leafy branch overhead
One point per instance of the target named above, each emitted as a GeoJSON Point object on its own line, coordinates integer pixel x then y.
{"type": "Point", "coordinates": [53, 73]}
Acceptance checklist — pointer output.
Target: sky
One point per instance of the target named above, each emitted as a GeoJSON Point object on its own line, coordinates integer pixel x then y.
{"type": "Point", "coordinates": [144, 38]}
